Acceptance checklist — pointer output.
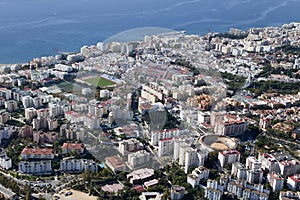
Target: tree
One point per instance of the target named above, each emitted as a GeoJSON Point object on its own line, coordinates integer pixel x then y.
{"type": "Point", "coordinates": [106, 172]}
{"type": "Point", "coordinates": [28, 193]}
{"type": "Point", "coordinates": [211, 160]}
{"type": "Point", "coordinates": [86, 175]}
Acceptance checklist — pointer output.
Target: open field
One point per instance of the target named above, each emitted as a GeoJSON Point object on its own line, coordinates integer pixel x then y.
{"type": "Point", "coordinates": [99, 81]}
{"type": "Point", "coordinates": [76, 195]}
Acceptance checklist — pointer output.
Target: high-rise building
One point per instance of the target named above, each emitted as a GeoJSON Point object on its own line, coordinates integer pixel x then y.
{"type": "Point", "coordinates": [27, 101]}
{"type": "Point", "coordinates": [254, 176]}
{"type": "Point", "coordinates": [252, 163]}
{"type": "Point", "coordinates": [228, 157]}
{"type": "Point", "coordinates": [11, 105]}
{"type": "Point", "coordinates": [138, 158]}
{"type": "Point", "coordinates": [239, 170]}
{"type": "Point", "coordinates": [293, 182]}
{"type": "Point", "coordinates": [276, 181]}
{"type": "Point", "coordinates": [165, 147]}
{"type": "Point", "coordinates": [177, 192]}
{"type": "Point", "coordinates": [130, 145]}
{"type": "Point", "coordinates": [4, 117]}
{"type": "Point", "coordinates": [30, 113]}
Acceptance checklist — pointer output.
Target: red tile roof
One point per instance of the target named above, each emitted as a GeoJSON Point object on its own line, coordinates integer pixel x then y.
{"type": "Point", "coordinates": [115, 161]}
{"type": "Point", "coordinates": [72, 146]}
{"type": "Point", "coordinates": [112, 188]}
{"type": "Point", "coordinates": [227, 152]}
{"type": "Point", "coordinates": [295, 178]}
{"type": "Point", "coordinates": [166, 139]}
{"type": "Point", "coordinates": [37, 151]}
{"type": "Point", "coordinates": [138, 188]}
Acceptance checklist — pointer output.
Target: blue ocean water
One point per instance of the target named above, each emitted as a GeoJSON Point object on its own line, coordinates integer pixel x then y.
{"type": "Point", "coordinates": [35, 28]}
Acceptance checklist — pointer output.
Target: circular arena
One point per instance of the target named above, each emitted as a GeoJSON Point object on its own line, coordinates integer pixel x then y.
{"type": "Point", "coordinates": [218, 142]}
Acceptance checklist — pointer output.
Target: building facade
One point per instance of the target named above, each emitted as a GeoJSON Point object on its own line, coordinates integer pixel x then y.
{"type": "Point", "coordinates": [41, 167]}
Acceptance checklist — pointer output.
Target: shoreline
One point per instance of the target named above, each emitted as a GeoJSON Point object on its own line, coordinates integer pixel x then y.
{"type": "Point", "coordinates": [186, 32]}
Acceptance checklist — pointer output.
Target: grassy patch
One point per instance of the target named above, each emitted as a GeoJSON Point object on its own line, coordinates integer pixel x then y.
{"type": "Point", "coordinates": [99, 81]}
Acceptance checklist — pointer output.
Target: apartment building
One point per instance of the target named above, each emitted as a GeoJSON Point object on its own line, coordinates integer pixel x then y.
{"type": "Point", "coordinates": [228, 157]}
{"type": "Point", "coordinates": [69, 165]}
{"type": "Point", "coordinates": [41, 167]}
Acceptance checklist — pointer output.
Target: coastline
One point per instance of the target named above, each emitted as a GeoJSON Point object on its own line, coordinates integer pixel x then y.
{"type": "Point", "coordinates": [108, 40]}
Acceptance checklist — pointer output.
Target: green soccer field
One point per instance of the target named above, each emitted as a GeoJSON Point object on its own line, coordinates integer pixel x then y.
{"type": "Point", "coordinates": [99, 81]}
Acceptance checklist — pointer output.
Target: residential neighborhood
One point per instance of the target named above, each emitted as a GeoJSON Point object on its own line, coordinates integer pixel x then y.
{"type": "Point", "coordinates": [173, 116]}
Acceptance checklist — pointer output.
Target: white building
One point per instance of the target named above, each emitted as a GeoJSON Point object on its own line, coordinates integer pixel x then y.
{"type": "Point", "coordinates": [27, 101]}
{"type": "Point", "coordinates": [130, 145]}
{"type": "Point", "coordinates": [165, 147]}
{"type": "Point", "coordinates": [289, 167]}
{"type": "Point", "coordinates": [68, 165]}
{"type": "Point", "coordinates": [30, 113]}
{"type": "Point", "coordinates": [37, 102]}
{"type": "Point", "coordinates": [239, 170]}
{"type": "Point", "coordinates": [276, 181]}
{"type": "Point", "coordinates": [39, 123]}
{"type": "Point", "coordinates": [194, 157]}
{"type": "Point", "coordinates": [163, 134]}
{"type": "Point", "coordinates": [52, 124]}
{"type": "Point", "coordinates": [86, 91]}
{"type": "Point", "coordinates": [11, 105]}
{"type": "Point", "coordinates": [289, 195]}
{"type": "Point", "coordinates": [252, 163]}
{"type": "Point", "coordinates": [150, 195]}
{"type": "Point", "coordinates": [177, 192]}
{"type": "Point", "coordinates": [138, 158]}
{"type": "Point", "coordinates": [41, 167]}
{"type": "Point", "coordinates": [65, 68]}
{"type": "Point", "coordinates": [180, 145]}
{"type": "Point", "coordinates": [268, 162]}
{"type": "Point", "coordinates": [254, 176]}
{"type": "Point", "coordinates": [104, 94]}
{"type": "Point", "coordinates": [197, 175]}
{"type": "Point", "coordinates": [243, 190]}
{"type": "Point", "coordinates": [42, 113]}
{"type": "Point", "coordinates": [255, 194]}
{"type": "Point", "coordinates": [91, 122]}
{"type": "Point", "coordinates": [4, 117]}
{"type": "Point", "coordinates": [203, 117]}
{"type": "Point", "coordinates": [293, 182]}
{"type": "Point", "coordinates": [6, 93]}
{"type": "Point", "coordinates": [140, 175]}
{"type": "Point", "coordinates": [213, 191]}
{"type": "Point", "coordinates": [228, 157]}
{"type": "Point", "coordinates": [55, 110]}
{"type": "Point", "coordinates": [5, 161]}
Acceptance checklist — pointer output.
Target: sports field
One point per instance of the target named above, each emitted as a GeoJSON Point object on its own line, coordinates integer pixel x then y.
{"type": "Point", "coordinates": [99, 81]}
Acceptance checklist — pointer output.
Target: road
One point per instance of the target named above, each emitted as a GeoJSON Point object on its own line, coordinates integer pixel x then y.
{"type": "Point", "coordinates": [21, 182]}
{"type": "Point", "coordinates": [285, 141]}
{"type": "Point", "coordinates": [18, 119]}
{"type": "Point", "coordinates": [247, 82]}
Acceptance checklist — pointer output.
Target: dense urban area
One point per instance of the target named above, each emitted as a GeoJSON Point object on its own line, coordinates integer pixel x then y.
{"type": "Point", "coordinates": [174, 116]}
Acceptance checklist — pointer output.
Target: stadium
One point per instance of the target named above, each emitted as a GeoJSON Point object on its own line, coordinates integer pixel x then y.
{"type": "Point", "coordinates": [218, 142]}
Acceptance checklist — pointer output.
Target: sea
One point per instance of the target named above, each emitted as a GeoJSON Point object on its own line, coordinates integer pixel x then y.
{"type": "Point", "coordinates": [36, 28]}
